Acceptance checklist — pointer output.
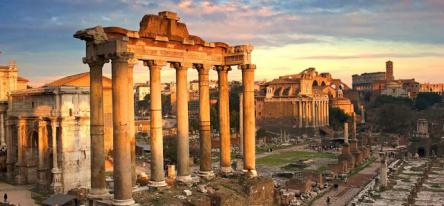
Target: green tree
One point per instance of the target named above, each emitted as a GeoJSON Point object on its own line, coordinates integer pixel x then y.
{"type": "Point", "coordinates": [426, 100]}
{"type": "Point", "coordinates": [395, 118]}
{"type": "Point", "coordinates": [337, 117]}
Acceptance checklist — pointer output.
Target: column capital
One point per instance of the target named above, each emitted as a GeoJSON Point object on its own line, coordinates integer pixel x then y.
{"type": "Point", "coordinates": [181, 65]}
{"type": "Point", "coordinates": [42, 123]}
{"type": "Point", "coordinates": [203, 68]}
{"type": "Point", "coordinates": [154, 63]}
{"type": "Point", "coordinates": [95, 61]}
{"type": "Point", "coordinates": [222, 68]}
{"type": "Point", "coordinates": [247, 66]}
{"type": "Point", "coordinates": [120, 57]}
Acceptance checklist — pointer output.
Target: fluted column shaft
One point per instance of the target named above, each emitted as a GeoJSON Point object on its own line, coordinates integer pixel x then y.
{"type": "Point", "coordinates": [10, 156]}
{"type": "Point", "coordinates": [183, 150]}
{"type": "Point", "coordinates": [204, 118]}
{"type": "Point", "coordinates": [98, 184]}
{"type": "Point", "coordinates": [157, 160]}
{"type": "Point", "coordinates": [249, 119]}
{"type": "Point", "coordinates": [121, 141]}
{"type": "Point", "coordinates": [224, 118]}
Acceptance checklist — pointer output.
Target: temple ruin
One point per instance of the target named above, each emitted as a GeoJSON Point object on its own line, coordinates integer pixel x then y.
{"type": "Point", "coordinates": [162, 41]}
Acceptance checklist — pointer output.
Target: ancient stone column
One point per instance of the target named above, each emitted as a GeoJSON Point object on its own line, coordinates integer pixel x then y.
{"type": "Point", "coordinates": [362, 114]}
{"type": "Point", "coordinates": [121, 141]}
{"type": "Point", "coordinates": [56, 184]}
{"type": "Point", "coordinates": [183, 150]}
{"type": "Point", "coordinates": [204, 121]}
{"type": "Point", "coordinates": [2, 129]}
{"type": "Point", "coordinates": [241, 124]}
{"type": "Point", "coordinates": [383, 172]}
{"type": "Point", "coordinates": [157, 161]}
{"type": "Point", "coordinates": [98, 184]}
{"type": "Point", "coordinates": [42, 149]}
{"type": "Point", "coordinates": [224, 119]}
{"type": "Point", "coordinates": [249, 119]}
{"type": "Point", "coordinates": [300, 114]}
{"type": "Point", "coordinates": [313, 113]}
{"type": "Point", "coordinates": [354, 125]}
{"type": "Point", "coordinates": [10, 156]}
{"type": "Point", "coordinates": [327, 118]}
{"type": "Point", "coordinates": [345, 132]}
{"type": "Point", "coordinates": [20, 164]}
{"type": "Point", "coordinates": [132, 129]}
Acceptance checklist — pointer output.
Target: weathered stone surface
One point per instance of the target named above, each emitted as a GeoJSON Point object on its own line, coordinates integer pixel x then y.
{"type": "Point", "coordinates": [260, 191]}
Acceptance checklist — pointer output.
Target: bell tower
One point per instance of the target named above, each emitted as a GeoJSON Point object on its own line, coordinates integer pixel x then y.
{"type": "Point", "coordinates": [389, 71]}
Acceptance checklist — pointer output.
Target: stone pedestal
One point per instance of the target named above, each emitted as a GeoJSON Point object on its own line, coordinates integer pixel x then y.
{"type": "Point", "coordinates": [56, 185]}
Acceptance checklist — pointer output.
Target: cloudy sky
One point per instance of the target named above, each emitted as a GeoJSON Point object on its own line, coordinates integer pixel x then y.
{"type": "Point", "coordinates": [342, 37]}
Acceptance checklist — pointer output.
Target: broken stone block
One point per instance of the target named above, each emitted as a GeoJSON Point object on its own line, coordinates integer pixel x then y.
{"type": "Point", "coordinates": [188, 192]}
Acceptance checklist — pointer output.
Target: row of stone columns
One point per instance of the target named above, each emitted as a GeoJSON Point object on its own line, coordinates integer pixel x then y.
{"type": "Point", "coordinates": [122, 123]}
{"type": "Point", "coordinates": [19, 162]}
{"type": "Point", "coordinates": [313, 113]}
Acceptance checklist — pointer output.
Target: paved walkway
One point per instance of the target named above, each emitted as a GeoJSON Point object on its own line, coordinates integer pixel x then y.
{"type": "Point", "coordinates": [18, 195]}
{"type": "Point", "coordinates": [347, 191]}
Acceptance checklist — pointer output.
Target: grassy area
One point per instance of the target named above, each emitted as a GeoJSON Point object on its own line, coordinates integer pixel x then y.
{"type": "Point", "coordinates": [265, 148]}
{"type": "Point", "coordinates": [289, 157]}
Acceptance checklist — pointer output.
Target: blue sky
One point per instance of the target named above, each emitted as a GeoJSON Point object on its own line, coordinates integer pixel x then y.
{"type": "Point", "coordinates": [338, 36]}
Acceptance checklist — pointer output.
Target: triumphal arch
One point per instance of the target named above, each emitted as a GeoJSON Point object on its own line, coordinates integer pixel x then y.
{"type": "Point", "coordinates": [162, 41]}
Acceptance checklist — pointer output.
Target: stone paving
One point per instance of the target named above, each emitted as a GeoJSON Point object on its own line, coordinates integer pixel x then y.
{"type": "Point", "coordinates": [430, 191]}
{"type": "Point", "coordinates": [18, 195]}
{"type": "Point", "coordinates": [347, 191]}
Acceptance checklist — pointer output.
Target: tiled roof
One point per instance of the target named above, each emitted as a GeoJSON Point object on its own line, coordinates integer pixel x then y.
{"type": "Point", "coordinates": [69, 80]}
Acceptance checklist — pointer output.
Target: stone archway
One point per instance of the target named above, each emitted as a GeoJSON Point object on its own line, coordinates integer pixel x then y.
{"type": "Point", "coordinates": [421, 151]}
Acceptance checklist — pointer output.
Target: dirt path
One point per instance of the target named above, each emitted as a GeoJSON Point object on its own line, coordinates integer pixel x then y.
{"type": "Point", "coordinates": [347, 191]}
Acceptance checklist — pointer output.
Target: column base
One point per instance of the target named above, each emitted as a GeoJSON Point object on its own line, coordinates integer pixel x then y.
{"type": "Point", "coordinates": [250, 173]}
{"type": "Point", "coordinates": [207, 174]}
{"type": "Point", "coordinates": [20, 177]}
{"type": "Point", "coordinates": [98, 194]}
{"type": "Point", "coordinates": [184, 179]}
{"type": "Point", "coordinates": [128, 202]}
{"type": "Point", "coordinates": [226, 170]}
{"type": "Point", "coordinates": [157, 183]}
{"type": "Point", "coordinates": [10, 171]}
